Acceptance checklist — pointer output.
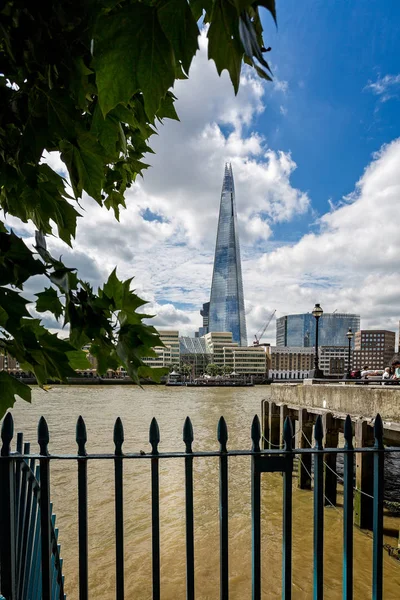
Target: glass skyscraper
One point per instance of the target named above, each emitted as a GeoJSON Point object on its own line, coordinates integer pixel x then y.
{"type": "Point", "coordinates": [299, 330]}
{"type": "Point", "coordinates": [226, 311]}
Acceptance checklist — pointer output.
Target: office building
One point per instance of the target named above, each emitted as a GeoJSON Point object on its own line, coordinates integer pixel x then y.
{"type": "Point", "coordinates": [299, 330]}
{"type": "Point", "coordinates": [205, 312]}
{"type": "Point", "coordinates": [226, 311]}
{"type": "Point", "coordinates": [374, 348]}
{"type": "Point", "coordinates": [167, 355]}
{"type": "Point", "coordinates": [333, 360]}
{"type": "Point", "coordinates": [247, 360]}
{"type": "Point", "coordinates": [291, 362]}
{"type": "Point", "coordinates": [216, 341]}
{"type": "Point", "coordinates": [195, 353]}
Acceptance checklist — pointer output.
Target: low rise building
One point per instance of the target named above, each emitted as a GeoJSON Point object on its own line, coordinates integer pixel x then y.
{"type": "Point", "coordinates": [216, 342]}
{"type": "Point", "coordinates": [251, 360]}
{"type": "Point", "coordinates": [167, 355]}
{"type": "Point", "coordinates": [373, 348]}
{"type": "Point", "coordinates": [333, 360]}
{"type": "Point", "coordinates": [194, 352]}
{"type": "Point", "coordinates": [291, 362]}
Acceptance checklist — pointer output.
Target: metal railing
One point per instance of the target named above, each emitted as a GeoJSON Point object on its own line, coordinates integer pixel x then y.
{"type": "Point", "coordinates": [262, 461]}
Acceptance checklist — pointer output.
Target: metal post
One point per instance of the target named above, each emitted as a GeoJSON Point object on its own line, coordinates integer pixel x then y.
{"type": "Point", "coordinates": [7, 516]}
{"type": "Point", "coordinates": [222, 436]}
{"type": "Point", "coordinates": [316, 359]}
{"type": "Point", "coordinates": [255, 513]}
{"type": "Point", "coordinates": [188, 440]}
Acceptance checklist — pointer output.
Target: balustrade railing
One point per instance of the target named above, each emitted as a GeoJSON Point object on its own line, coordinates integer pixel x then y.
{"type": "Point", "coordinates": [29, 554]}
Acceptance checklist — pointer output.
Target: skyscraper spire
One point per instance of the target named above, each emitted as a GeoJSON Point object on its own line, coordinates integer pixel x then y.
{"type": "Point", "coordinates": [227, 301]}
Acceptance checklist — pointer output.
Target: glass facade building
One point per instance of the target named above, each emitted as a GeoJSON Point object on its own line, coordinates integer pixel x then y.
{"type": "Point", "coordinates": [226, 311]}
{"type": "Point", "coordinates": [299, 330]}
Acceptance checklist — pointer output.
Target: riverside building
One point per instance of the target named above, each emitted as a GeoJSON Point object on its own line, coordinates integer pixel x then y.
{"type": "Point", "coordinates": [374, 348]}
{"type": "Point", "coordinates": [299, 330]}
{"type": "Point", "coordinates": [291, 362]}
{"type": "Point", "coordinates": [226, 310]}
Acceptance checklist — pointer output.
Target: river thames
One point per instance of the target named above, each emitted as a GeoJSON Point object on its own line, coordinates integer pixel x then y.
{"type": "Point", "coordinates": [100, 405]}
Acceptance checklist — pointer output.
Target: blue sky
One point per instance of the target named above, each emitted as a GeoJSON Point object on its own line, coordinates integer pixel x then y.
{"type": "Point", "coordinates": [315, 157]}
{"type": "Point", "coordinates": [328, 51]}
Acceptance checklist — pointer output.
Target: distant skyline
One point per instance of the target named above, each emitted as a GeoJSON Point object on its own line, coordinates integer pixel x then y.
{"type": "Point", "coordinates": [316, 157]}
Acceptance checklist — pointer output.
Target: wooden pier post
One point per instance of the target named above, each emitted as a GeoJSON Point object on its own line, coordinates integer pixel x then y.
{"type": "Point", "coordinates": [364, 476]}
{"type": "Point", "coordinates": [304, 441]}
{"type": "Point", "coordinates": [274, 420]}
{"type": "Point", "coordinates": [330, 441]}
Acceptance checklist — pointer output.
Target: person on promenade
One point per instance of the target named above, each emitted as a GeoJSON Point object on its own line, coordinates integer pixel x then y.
{"type": "Point", "coordinates": [364, 372]}
{"type": "Point", "coordinates": [396, 366]}
{"type": "Point", "coordinates": [386, 373]}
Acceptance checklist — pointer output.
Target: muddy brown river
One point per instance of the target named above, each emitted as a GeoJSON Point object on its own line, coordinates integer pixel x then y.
{"type": "Point", "coordinates": [100, 406]}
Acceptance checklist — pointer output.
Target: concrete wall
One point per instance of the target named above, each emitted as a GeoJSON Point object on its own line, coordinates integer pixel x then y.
{"type": "Point", "coordinates": [355, 400]}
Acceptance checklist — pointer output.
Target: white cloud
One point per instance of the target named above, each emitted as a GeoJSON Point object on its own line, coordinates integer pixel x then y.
{"type": "Point", "coordinates": [352, 264]}
{"type": "Point", "coordinates": [349, 264]}
{"type": "Point", "coordinates": [384, 87]}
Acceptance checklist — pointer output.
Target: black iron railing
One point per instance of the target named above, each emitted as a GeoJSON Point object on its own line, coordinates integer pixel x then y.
{"type": "Point", "coordinates": [281, 460]}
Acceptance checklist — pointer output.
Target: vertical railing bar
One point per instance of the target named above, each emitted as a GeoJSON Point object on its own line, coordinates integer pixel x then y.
{"type": "Point", "coordinates": [33, 541]}
{"type": "Point", "coordinates": [222, 436]}
{"type": "Point", "coordinates": [53, 556]}
{"type": "Point", "coordinates": [7, 515]}
{"type": "Point", "coordinates": [188, 440]}
{"type": "Point", "coordinates": [318, 585]}
{"type": "Point", "coordinates": [26, 518]}
{"type": "Point", "coordinates": [287, 513]}
{"type": "Point", "coordinates": [45, 519]}
{"type": "Point", "coordinates": [18, 502]}
{"type": "Point", "coordinates": [81, 439]}
{"type": "Point", "coordinates": [154, 439]}
{"type": "Point", "coordinates": [119, 508]}
{"type": "Point", "coordinates": [379, 463]}
{"type": "Point", "coordinates": [348, 477]}
{"type": "Point", "coordinates": [255, 512]}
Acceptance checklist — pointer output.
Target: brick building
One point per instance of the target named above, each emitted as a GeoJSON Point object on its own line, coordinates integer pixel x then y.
{"type": "Point", "coordinates": [374, 348]}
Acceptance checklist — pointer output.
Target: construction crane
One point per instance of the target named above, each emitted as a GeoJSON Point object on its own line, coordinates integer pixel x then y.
{"type": "Point", "coordinates": [259, 335]}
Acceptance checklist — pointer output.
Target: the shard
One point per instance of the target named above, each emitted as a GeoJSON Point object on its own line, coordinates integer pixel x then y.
{"type": "Point", "coordinates": [227, 301]}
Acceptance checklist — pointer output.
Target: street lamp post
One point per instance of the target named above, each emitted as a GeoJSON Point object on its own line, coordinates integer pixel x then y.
{"type": "Point", "coordinates": [316, 373]}
{"type": "Point", "coordinates": [350, 336]}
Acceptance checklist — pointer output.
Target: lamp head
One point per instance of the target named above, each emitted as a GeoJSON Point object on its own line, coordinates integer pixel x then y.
{"type": "Point", "coordinates": [349, 334]}
{"type": "Point", "coordinates": [317, 311]}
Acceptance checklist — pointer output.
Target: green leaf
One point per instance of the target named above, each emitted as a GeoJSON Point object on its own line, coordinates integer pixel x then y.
{"type": "Point", "coordinates": [197, 7]}
{"type": "Point", "coordinates": [85, 162]}
{"type": "Point", "coordinates": [153, 373]}
{"type": "Point", "coordinates": [180, 27]}
{"type": "Point", "coordinates": [78, 359]}
{"type": "Point", "coordinates": [132, 53]}
{"type": "Point", "coordinates": [49, 301]}
{"type": "Point", "coordinates": [16, 260]}
{"type": "Point", "coordinates": [224, 46]}
{"type": "Point", "coordinates": [9, 388]}
{"type": "Point", "coordinates": [167, 108]}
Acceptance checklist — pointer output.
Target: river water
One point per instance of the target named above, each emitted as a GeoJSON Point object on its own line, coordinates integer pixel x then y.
{"type": "Point", "coordinates": [100, 406]}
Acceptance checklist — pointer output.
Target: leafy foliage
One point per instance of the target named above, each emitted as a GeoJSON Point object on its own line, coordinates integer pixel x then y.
{"type": "Point", "coordinates": [91, 80]}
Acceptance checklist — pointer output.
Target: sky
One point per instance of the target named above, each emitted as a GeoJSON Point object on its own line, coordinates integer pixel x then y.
{"type": "Point", "coordinates": [315, 157]}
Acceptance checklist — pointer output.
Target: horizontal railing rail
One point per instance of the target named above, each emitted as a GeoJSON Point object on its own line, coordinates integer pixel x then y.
{"type": "Point", "coordinates": [279, 459]}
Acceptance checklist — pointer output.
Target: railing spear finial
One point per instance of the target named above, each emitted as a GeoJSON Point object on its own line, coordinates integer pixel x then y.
{"type": "Point", "coordinates": [255, 434]}
{"type": "Point", "coordinates": [81, 436]}
{"type": "Point", "coordinates": [318, 433]}
{"type": "Point", "coordinates": [7, 432]}
{"type": "Point", "coordinates": [378, 431]}
{"type": "Point", "coordinates": [348, 433]}
{"type": "Point", "coordinates": [222, 434]}
{"type": "Point", "coordinates": [43, 436]}
{"type": "Point", "coordinates": [118, 436]}
{"type": "Point", "coordinates": [154, 436]}
{"type": "Point", "coordinates": [287, 434]}
{"type": "Point", "coordinates": [188, 436]}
